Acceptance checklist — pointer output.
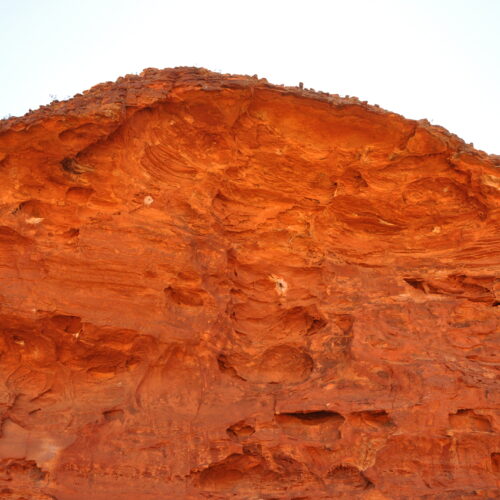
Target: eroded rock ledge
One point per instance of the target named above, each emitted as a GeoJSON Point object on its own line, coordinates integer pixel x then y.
{"type": "Point", "coordinates": [214, 287]}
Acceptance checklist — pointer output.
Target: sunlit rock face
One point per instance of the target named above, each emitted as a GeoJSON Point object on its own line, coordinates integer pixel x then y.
{"type": "Point", "coordinates": [213, 287]}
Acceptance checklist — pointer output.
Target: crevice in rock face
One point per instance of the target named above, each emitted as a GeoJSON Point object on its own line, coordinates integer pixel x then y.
{"type": "Point", "coordinates": [240, 430]}
{"type": "Point", "coordinates": [112, 415]}
{"type": "Point", "coordinates": [19, 469]}
{"type": "Point", "coordinates": [374, 418]}
{"type": "Point", "coordinates": [320, 426]}
{"type": "Point", "coordinates": [469, 421]}
{"type": "Point", "coordinates": [226, 368]}
{"type": "Point", "coordinates": [240, 471]}
{"type": "Point", "coordinates": [252, 449]}
{"type": "Point", "coordinates": [311, 417]}
{"type": "Point", "coordinates": [73, 166]}
{"type": "Point", "coordinates": [184, 296]}
{"type": "Point", "coordinates": [348, 478]}
{"type": "Point", "coordinates": [316, 325]}
{"type": "Point", "coordinates": [244, 474]}
{"type": "Point", "coordinates": [70, 324]}
{"type": "Point", "coordinates": [475, 289]}
{"type": "Point", "coordinates": [495, 462]}
{"type": "Point", "coordinates": [418, 284]}
{"type": "Point", "coordinates": [354, 178]}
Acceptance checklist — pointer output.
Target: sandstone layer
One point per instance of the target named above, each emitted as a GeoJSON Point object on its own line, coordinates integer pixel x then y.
{"type": "Point", "coordinates": [214, 287]}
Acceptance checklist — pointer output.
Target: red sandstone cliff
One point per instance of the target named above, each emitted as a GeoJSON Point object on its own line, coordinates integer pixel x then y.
{"type": "Point", "coordinates": [214, 287]}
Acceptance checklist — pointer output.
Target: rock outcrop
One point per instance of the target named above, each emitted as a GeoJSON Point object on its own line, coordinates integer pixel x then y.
{"type": "Point", "coordinates": [214, 287]}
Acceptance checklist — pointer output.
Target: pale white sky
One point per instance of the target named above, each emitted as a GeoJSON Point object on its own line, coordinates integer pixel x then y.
{"type": "Point", "coordinates": [434, 59]}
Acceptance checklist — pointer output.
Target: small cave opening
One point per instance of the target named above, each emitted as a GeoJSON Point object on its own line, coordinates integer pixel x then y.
{"type": "Point", "coordinates": [311, 417]}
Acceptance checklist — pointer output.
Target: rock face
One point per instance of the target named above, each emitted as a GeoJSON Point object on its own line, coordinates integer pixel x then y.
{"type": "Point", "coordinates": [214, 287]}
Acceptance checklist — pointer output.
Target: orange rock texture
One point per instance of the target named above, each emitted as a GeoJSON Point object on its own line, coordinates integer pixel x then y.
{"type": "Point", "coordinates": [214, 287]}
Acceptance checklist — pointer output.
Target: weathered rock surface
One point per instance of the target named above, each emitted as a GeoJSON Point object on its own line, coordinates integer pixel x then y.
{"type": "Point", "coordinates": [213, 287]}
